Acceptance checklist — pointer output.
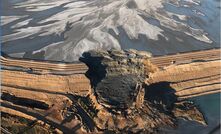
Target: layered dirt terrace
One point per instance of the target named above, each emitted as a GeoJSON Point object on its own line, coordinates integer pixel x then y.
{"type": "Point", "coordinates": [46, 91]}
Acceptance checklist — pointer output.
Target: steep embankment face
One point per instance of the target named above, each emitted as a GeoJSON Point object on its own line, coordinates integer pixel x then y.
{"type": "Point", "coordinates": [63, 30]}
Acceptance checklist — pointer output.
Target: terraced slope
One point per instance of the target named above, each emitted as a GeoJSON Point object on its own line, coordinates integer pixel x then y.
{"type": "Point", "coordinates": [190, 80]}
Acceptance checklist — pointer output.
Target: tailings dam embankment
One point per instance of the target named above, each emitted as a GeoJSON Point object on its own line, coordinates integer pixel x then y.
{"type": "Point", "coordinates": [48, 88]}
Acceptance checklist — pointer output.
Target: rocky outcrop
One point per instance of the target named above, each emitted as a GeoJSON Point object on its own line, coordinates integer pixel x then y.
{"type": "Point", "coordinates": [115, 74]}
